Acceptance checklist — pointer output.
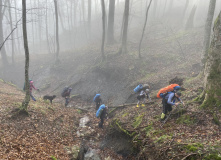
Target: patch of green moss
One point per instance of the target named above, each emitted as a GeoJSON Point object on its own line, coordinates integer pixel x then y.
{"type": "Point", "coordinates": [162, 138]}
{"type": "Point", "coordinates": [193, 147]}
{"type": "Point", "coordinates": [124, 130]}
{"type": "Point", "coordinates": [53, 158]}
{"type": "Point", "coordinates": [125, 114]}
{"type": "Point", "coordinates": [213, 156]}
{"type": "Point", "coordinates": [216, 119]}
{"type": "Point", "coordinates": [79, 111]}
{"type": "Point", "coordinates": [148, 129]}
{"type": "Point", "coordinates": [185, 119]}
{"type": "Point", "coordinates": [137, 121]}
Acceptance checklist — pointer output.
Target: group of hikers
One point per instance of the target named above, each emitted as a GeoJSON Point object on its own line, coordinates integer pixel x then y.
{"type": "Point", "coordinates": [169, 95]}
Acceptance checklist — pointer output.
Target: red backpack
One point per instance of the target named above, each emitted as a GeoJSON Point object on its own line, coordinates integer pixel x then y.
{"type": "Point", "coordinates": [164, 90]}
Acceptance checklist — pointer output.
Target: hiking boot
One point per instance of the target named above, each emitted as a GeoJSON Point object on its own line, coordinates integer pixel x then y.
{"type": "Point", "coordinates": [143, 105]}
{"type": "Point", "coordinates": [138, 105]}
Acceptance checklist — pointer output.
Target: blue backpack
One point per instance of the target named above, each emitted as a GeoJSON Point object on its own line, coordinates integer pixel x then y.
{"type": "Point", "coordinates": [96, 96]}
{"type": "Point", "coordinates": [99, 111]}
{"type": "Point", "coordinates": [138, 88]}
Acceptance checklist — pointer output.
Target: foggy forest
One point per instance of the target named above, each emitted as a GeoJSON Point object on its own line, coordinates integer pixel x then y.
{"type": "Point", "coordinates": [110, 79]}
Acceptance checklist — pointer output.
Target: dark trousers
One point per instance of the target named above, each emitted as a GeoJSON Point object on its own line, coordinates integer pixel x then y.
{"type": "Point", "coordinates": [98, 103]}
{"type": "Point", "coordinates": [101, 122]}
{"type": "Point", "coordinates": [66, 101]}
{"type": "Point", "coordinates": [166, 107]}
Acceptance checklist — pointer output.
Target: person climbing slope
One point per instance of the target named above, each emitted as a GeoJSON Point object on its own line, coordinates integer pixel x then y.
{"type": "Point", "coordinates": [142, 97]}
{"type": "Point", "coordinates": [32, 87]}
{"type": "Point", "coordinates": [66, 94]}
{"type": "Point", "coordinates": [97, 99]}
{"type": "Point", "coordinates": [168, 101]}
{"type": "Point", "coordinates": [102, 114]}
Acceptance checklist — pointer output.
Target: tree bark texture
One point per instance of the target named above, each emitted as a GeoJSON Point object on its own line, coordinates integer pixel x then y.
{"type": "Point", "coordinates": [123, 48]}
{"type": "Point", "coordinates": [145, 23]}
{"type": "Point", "coordinates": [189, 23]}
{"type": "Point", "coordinates": [27, 91]}
{"type": "Point", "coordinates": [103, 26]}
{"type": "Point", "coordinates": [212, 70]}
{"type": "Point", "coordinates": [12, 35]}
{"type": "Point", "coordinates": [110, 27]}
{"type": "Point", "coordinates": [57, 30]}
{"type": "Point", "coordinates": [3, 51]}
{"type": "Point", "coordinates": [207, 29]}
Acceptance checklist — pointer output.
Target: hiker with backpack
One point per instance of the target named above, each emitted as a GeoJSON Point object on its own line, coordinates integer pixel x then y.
{"type": "Point", "coordinates": [169, 94]}
{"type": "Point", "coordinates": [168, 101]}
{"type": "Point", "coordinates": [102, 114]}
{"type": "Point", "coordinates": [32, 87]}
{"type": "Point", "coordinates": [142, 97]}
{"type": "Point", "coordinates": [97, 99]}
{"type": "Point", "coordinates": [66, 94]}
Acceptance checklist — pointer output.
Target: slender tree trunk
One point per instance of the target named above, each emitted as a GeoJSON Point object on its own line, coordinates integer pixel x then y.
{"type": "Point", "coordinates": [89, 17]}
{"type": "Point", "coordinates": [190, 20]}
{"type": "Point", "coordinates": [123, 48]}
{"type": "Point", "coordinates": [17, 30]}
{"type": "Point", "coordinates": [110, 27]}
{"type": "Point", "coordinates": [12, 35]}
{"type": "Point", "coordinates": [60, 17]}
{"type": "Point", "coordinates": [3, 51]}
{"type": "Point", "coordinates": [27, 95]}
{"type": "Point", "coordinates": [83, 10]}
{"type": "Point", "coordinates": [145, 23]}
{"type": "Point", "coordinates": [207, 29]}
{"type": "Point", "coordinates": [46, 26]}
{"type": "Point", "coordinates": [57, 31]}
{"type": "Point", "coordinates": [103, 24]}
{"type": "Point", "coordinates": [39, 26]}
{"type": "Point", "coordinates": [184, 11]}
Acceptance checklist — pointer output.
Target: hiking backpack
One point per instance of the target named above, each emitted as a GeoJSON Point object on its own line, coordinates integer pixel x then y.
{"type": "Point", "coordinates": [138, 88]}
{"type": "Point", "coordinates": [100, 110]}
{"type": "Point", "coordinates": [64, 91]}
{"type": "Point", "coordinates": [96, 96]}
{"type": "Point", "coordinates": [170, 88]}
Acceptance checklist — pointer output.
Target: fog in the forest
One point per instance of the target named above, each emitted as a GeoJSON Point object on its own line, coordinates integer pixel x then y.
{"type": "Point", "coordinates": [75, 29]}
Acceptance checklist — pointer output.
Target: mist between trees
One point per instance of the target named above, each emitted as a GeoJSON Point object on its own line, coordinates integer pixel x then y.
{"type": "Point", "coordinates": [80, 22]}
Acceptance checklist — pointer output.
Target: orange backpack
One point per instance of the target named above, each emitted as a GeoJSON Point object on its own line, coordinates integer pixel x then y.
{"type": "Point", "coordinates": [164, 90]}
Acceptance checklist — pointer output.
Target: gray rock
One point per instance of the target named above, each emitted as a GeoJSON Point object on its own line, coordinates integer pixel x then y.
{"type": "Point", "coordinates": [84, 121]}
{"type": "Point", "coordinates": [91, 155]}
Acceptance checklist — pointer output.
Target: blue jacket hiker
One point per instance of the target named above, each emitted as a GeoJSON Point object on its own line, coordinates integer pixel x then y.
{"type": "Point", "coordinates": [168, 101]}
{"type": "Point", "coordinates": [102, 114]}
{"type": "Point", "coordinates": [97, 99]}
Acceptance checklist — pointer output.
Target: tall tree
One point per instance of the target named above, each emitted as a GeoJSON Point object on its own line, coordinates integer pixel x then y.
{"type": "Point", "coordinates": [27, 93]}
{"type": "Point", "coordinates": [46, 26]}
{"type": "Point", "coordinates": [212, 70]}
{"type": "Point", "coordinates": [189, 23]}
{"type": "Point", "coordinates": [103, 26]}
{"type": "Point", "coordinates": [57, 31]}
{"type": "Point", "coordinates": [123, 48]}
{"type": "Point", "coordinates": [145, 23]}
{"type": "Point", "coordinates": [185, 8]}
{"type": "Point", "coordinates": [110, 27]}
{"type": "Point", "coordinates": [155, 8]}
{"type": "Point", "coordinates": [12, 35]}
{"type": "Point", "coordinates": [207, 29]}
{"type": "Point", "coordinates": [2, 50]}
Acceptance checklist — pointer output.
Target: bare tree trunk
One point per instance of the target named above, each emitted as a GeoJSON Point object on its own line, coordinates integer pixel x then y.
{"type": "Point", "coordinates": [110, 27]}
{"type": "Point", "coordinates": [57, 31]}
{"type": "Point", "coordinates": [39, 26]}
{"type": "Point", "coordinates": [17, 30]}
{"type": "Point", "coordinates": [12, 35]}
{"type": "Point", "coordinates": [83, 10]}
{"type": "Point", "coordinates": [103, 24]}
{"type": "Point", "coordinates": [89, 17]}
{"type": "Point", "coordinates": [207, 29]}
{"type": "Point", "coordinates": [145, 23]}
{"type": "Point", "coordinates": [27, 91]}
{"type": "Point", "coordinates": [212, 70]}
{"type": "Point", "coordinates": [60, 18]}
{"type": "Point", "coordinates": [3, 51]}
{"type": "Point", "coordinates": [123, 48]}
{"type": "Point", "coordinates": [189, 23]}
{"type": "Point", "coordinates": [184, 12]}
{"type": "Point", "coordinates": [46, 26]}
